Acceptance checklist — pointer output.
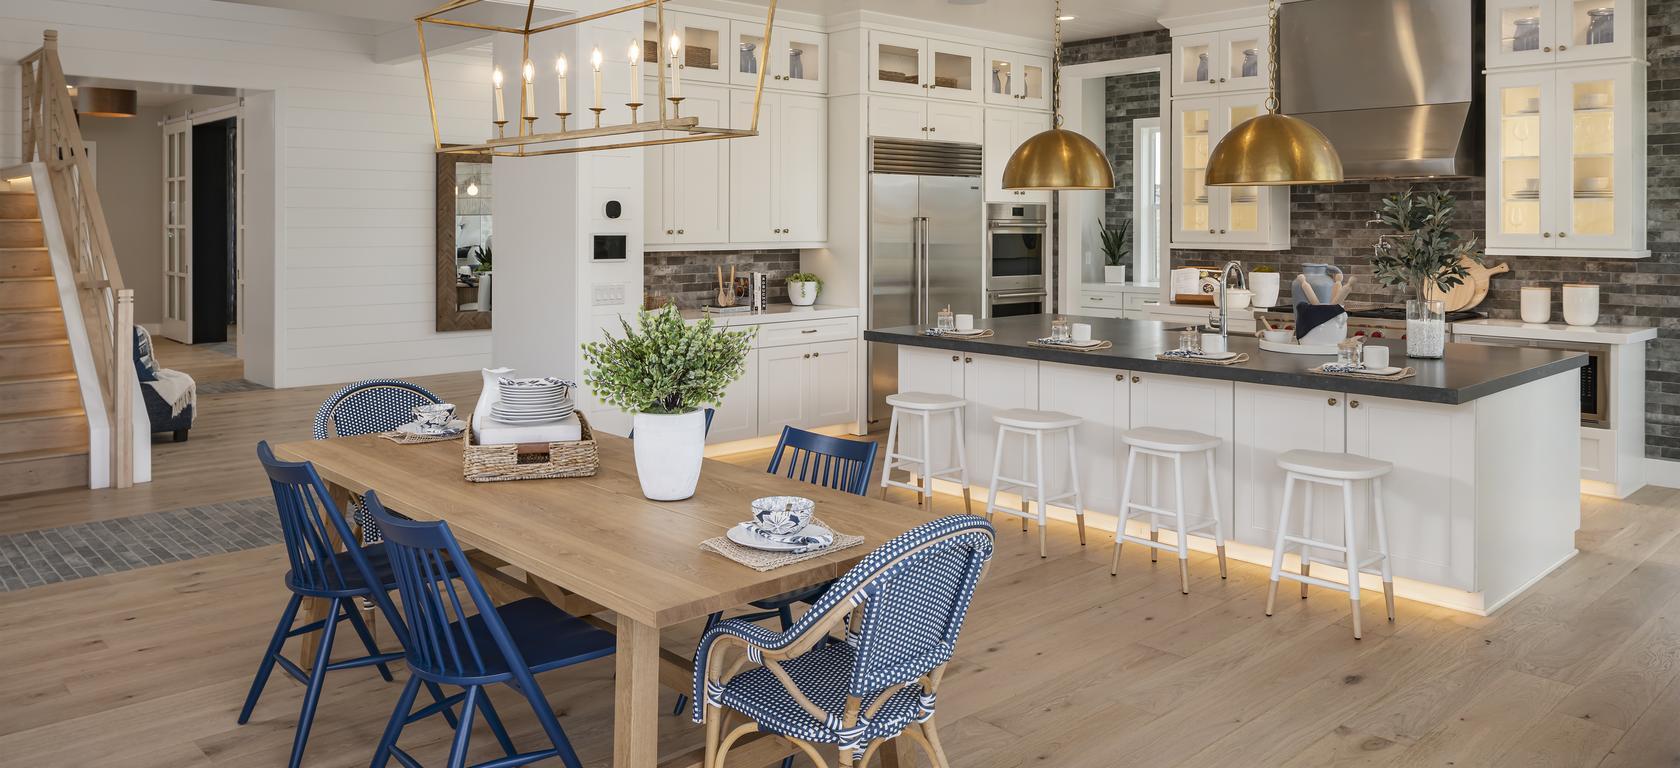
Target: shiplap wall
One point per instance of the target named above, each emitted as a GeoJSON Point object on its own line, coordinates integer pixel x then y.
{"type": "Point", "coordinates": [354, 212]}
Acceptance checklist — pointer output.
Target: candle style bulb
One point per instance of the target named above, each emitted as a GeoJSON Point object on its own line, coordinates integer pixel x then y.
{"type": "Point", "coordinates": [501, 110]}
{"type": "Point", "coordinates": [528, 100]}
{"type": "Point", "coordinates": [676, 69]}
{"type": "Point", "coordinates": [560, 69]}
{"type": "Point", "coordinates": [595, 60]}
{"type": "Point", "coordinates": [635, 73]}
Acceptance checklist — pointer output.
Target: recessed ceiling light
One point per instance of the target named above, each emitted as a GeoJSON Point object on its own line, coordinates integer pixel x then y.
{"type": "Point", "coordinates": [1066, 17]}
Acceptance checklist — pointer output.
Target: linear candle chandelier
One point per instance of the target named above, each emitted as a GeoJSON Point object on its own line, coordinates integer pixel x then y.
{"type": "Point", "coordinates": [667, 124]}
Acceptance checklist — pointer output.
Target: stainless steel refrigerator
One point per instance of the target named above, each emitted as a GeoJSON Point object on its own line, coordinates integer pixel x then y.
{"type": "Point", "coordinates": [926, 249]}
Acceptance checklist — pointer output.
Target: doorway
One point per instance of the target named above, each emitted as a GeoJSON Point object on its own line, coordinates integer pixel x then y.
{"type": "Point", "coordinates": [203, 231]}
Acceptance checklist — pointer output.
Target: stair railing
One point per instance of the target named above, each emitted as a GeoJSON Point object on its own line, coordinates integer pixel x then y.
{"type": "Point", "coordinates": [52, 137]}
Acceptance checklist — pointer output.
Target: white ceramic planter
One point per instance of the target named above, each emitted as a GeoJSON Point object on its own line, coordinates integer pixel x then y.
{"type": "Point", "coordinates": [802, 294]}
{"type": "Point", "coordinates": [1580, 304]}
{"type": "Point", "coordinates": [1114, 274]}
{"type": "Point", "coordinates": [1265, 287]}
{"type": "Point", "coordinates": [669, 451]}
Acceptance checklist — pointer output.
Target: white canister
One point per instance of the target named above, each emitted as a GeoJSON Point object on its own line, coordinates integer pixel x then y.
{"type": "Point", "coordinates": [1265, 286]}
{"type": "Point", "coordinates": [1536, 304]}
{"type": "Point", "coordinates": [1580, 304]}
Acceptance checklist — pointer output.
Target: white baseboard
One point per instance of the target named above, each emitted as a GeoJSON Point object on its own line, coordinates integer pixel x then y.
{"type": "Point", "coordinates": [1662, 472]}
{"type": "Point", "coordinates": [155, 329]}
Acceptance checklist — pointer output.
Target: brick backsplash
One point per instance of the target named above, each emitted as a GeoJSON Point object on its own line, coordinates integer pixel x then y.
{"type": "Point", "coordinates": [1328, 225]}
{"type": "Point", "coordinates": [690, 277]}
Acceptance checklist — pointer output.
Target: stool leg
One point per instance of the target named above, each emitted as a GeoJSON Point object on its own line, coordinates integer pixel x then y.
{"type": "Point", "coordinates": [1382, 545]}
{"type": "Point", "coordinates": [997, 468]}
{"type": "Point", "coordinates": [1125, 510]}
{"type": "Point", "coordinates": [1154, 504]}
{"type": "Point", "coordinates": [1218, 522]}
{"type": "Point", "coordinates": [1183, 536]}
{"type": "Point", "coordinates": [1024, 507]}
{"type": "Point", "coordinates": [962, 457]}
{"type": "Point", "coordinates": [927, 459]}
{"type": "Point", "coordinates": [1306, 533]}
{"type": "Point", "coordinates": [1278, 543]}
{"type": "Point", "coordinates": [892, 451]}
{"type": "Point", "coordinates": [1043, 492]}
{"type": "Point", "coordinates": [1073, 475]}
{"type": "Point", "coordinates": [1350, 540]}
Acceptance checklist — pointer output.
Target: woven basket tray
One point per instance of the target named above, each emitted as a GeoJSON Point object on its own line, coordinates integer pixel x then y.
{"type": "Point", "coordinates": [530, 461]}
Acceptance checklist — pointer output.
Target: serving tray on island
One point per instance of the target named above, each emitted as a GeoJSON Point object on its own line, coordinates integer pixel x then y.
{"type": "Point", "coordinates": [1293, 348]}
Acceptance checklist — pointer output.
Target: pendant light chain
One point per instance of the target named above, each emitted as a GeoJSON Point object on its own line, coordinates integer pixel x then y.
{"type": "Point", "coordinates": [1055, 73]}
{"type": "Point", "coordinates": [1271, 57]}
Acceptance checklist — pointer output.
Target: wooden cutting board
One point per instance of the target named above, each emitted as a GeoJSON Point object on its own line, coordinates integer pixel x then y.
{"type": "Point", "coordinates": [1473, 290]}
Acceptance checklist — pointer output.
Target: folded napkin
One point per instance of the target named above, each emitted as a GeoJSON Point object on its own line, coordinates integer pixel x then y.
{"type": "Point", "coordinates": [1076, 347]}
{"type": "Point", "coordinates": [1360, 372]}
{"type": "Point", "coordinates": [493, 432]}
{"type": "Point", "coordinates": [804, 541]}
{"type": "Point", "coordinates": [979, 333]}
{"type": "Point", "coordinates": [1192, 357]}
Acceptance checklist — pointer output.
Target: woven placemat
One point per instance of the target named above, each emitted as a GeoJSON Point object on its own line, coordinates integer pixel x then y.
{"type": "Point", "coordinates": [935, 332]}
{"type": "Point", "coordinates": [1242, 357]}
{"type": "Point", "coordinates": [1403, 373]}
{"type": "Point", "coordinates": [404, 438]}
{"type": "Point", "coordinates": [761, 560]}
{"type": "Point", "coordinates": [1105, 344]}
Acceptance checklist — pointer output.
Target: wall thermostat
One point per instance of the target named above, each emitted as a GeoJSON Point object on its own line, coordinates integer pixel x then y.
{"type": "Point", "coordinates": [615, 209]}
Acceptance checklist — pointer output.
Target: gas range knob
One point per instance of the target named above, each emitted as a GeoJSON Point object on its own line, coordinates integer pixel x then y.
{"type": "Point", "coordinates": [1376, 334]}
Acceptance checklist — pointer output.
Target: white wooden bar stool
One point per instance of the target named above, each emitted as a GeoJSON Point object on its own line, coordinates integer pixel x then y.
{"type": "Point", "coordinates": [1162, 444]}
{"type": "Point", "coordinates": [1034, 425]}
{"type": "Point", "coordinates": [1338, 470]}
{"type": "Point", "coordinates": [926, 406]}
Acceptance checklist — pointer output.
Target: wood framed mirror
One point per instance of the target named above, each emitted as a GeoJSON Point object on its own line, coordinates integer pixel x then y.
{"type": "Point", "coordinates": [464, 235]}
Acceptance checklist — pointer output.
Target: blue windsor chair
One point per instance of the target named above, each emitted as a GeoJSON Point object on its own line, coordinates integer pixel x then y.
{"type": "Point", "coordinates": [446, 646]}
{"type": "Point", "coordinates": [365, 408]}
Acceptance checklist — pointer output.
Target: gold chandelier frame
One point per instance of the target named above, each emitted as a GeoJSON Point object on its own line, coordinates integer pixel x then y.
{"type": "Point", "coordinates": [529, 143]}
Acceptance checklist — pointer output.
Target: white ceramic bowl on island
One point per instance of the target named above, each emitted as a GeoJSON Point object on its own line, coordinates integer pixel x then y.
{"type": "Point", "coordinates": [670, 448]}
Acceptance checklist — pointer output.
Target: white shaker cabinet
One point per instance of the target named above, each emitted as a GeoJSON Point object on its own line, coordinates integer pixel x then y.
{"type": "Point", "coordinates": [1182, 402]}
{"type": "Point", "coordinates": [911, 118]}
{"type": "Point", "coordinates": [1220, 62]}
{"type": "Point", "coordinates": [1101, 397]}
{"type": "Point", "coordinates": [737, 416]}
{"type": "Point", "coordinates": [692, 179]}
{"type": "Point", "coordinates": [1269, 421]}
{"type": "Point", "coordinates": [779, 178]}
{"type": "Point", "coordinates": [1015, 79]}
{"type": "Point", "coordinates": [908, 65]}
{"type": "Point", "coordinates": [796, 60]}
{"type": "Point", "coordinates": [1007, 130]}
{"type": "Point", "coordinates": [991, 384]}
{"type": "Point", "coordinates": [807, 385]}
{"type": "Point", "coordinates": [1540, 32]}
{"type": "Point", "coordinates": [1231, 218]}
{"type": "Point", "coordinates": [783, 379]}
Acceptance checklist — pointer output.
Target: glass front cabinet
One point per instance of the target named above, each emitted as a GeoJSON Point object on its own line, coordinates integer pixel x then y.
{"type": "Point", "coordinates": [917, 66]}
{"type": "Point", "coordinates": [1017, 79]}
{"type": "Point", "coordinates": [1566, 161]}
{"type": "Point", "coordinates": [702, 40]}
{"type": "Point", "coordinates": [796, 60]}
{"type": "Point", "coordinates": [1527, 32]}
{"type": "Point", "coordinates": [1220, 62]}
{"type": "Point", "coordinates": [1239, 218]}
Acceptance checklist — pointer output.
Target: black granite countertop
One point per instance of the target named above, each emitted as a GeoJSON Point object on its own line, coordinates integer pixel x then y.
{"type": "Point", "coordinates": [1467, 372]}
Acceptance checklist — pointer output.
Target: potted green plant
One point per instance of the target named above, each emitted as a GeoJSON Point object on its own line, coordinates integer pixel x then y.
{"type": "Point", "coordinates": [803, 288]}
{"type": "Point", "coordinates": [1423, 254]}
{"type": "Point", "coordinates": [666, 372]}
{"type": "Point", "coordinates": [1116, 249]}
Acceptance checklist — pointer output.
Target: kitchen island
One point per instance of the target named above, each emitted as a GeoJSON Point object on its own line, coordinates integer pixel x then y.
{"type": "Point", "coordinates": [1485, 442]}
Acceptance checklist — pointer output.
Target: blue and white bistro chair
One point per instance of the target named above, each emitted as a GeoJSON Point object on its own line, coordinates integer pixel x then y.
{"type": "Point", "coordinates": [902, 607]}
{"type": "Point", "coordinates": [365, 408]}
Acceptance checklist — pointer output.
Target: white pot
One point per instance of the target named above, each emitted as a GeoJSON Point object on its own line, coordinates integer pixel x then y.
{"type": "Point", "coordinates": [802, 294]}
{"type": "Point", "coordinates": [669, 450]}
{"type": "Point", "coordinates": [1114, 274]}
{"type": "Point", "coordinates": [1580, 304]}
{"type": "Point", "coordinates": [1265, 288]}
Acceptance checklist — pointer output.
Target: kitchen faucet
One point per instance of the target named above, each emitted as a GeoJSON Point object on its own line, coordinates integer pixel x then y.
{"type": "Point", "coordinates": [1224, 282]}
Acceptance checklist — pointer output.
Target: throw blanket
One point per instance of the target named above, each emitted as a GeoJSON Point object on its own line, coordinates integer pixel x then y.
{"type": "Point", "coordinates": [176, 389]}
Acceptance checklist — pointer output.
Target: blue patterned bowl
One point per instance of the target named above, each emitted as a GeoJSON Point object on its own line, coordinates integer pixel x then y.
{"type": "Point", "coordinates": [782, 515]}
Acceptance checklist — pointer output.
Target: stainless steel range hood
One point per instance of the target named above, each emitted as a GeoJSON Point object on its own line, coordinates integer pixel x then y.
{"type": "Point", "coordinates": [1395, 84]}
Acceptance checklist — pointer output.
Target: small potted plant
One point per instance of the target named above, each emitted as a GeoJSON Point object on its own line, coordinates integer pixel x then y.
{"type": "Point", "coordinates": [1117, 250]}
{"type": "Point", "coordinates": [1424, 254]}
{"type": "Point", "coordinates": [666, 372]}
{"type": "Point", "coordinates": [803, 288]}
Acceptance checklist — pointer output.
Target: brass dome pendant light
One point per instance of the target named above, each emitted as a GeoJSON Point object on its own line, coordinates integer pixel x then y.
{"type": "Point", "coordinates": [1272, 149]}
{"type": "Point", "coordinates": [1057, 158]}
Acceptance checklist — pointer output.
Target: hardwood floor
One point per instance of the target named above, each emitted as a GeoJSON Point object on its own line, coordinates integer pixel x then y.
{"type": "Point", "coordinates": [1060, 663]}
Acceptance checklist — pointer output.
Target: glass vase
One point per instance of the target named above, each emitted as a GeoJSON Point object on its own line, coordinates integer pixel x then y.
{"type": "Point", "coordinates": [1426, 328]}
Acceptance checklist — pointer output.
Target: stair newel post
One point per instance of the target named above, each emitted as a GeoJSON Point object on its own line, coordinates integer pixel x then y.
{"type": "Point", "coordinates": [122, 391]}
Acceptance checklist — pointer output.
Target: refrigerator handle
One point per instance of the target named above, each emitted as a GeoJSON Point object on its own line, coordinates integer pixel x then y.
{"type": "Point", "coordinates": [916, 270]}
{"type": "Point", "coordinates": [922, 254]}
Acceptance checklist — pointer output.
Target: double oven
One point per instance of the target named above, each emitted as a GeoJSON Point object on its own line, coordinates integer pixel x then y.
{"type": "Point", "coordinates": [1016, 277]}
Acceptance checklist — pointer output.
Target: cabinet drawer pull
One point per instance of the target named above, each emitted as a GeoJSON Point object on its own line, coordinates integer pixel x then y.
{"type": "Point", "coordinates": [1563, 234]}
{"type": "Point", "coordinates": [1547, 49]}
{"type": "Point", "coordinates": [816, 354]}
{"type": "Point", "coordinates": [933, 129]}
{"type": "Point", "coordinates": [1545, 234]}
{"type": "Point", "coordinates": [1562, 48]}
{"type": "Point", "coordinates": [1136, 379]}
{"type": "Point", "coordinates": [807, 355]}
{"type": "Point", "coordinates": [1221, 231]}
{"type": "Point", "coordinates": [1121, 377]}
{"type": "Point", "coordinates": [679, 231]}
{"type": "Point", "coordinates": [1211, 232]}
{"type": "Point", "coordinates": [1221, 79]}
{"type": "Point", "coordinates": [956, 358]}
{"type": "Point", "coordinates": [670, 231]}
{"type": "Point", "coordinates": [809, 330]}
{"type": "Point", "coordinates": [1353, 403]}
{"type": "Point", "coordinates": [1332, 401]}
{"type": "Point", "coordinates": [968, 359]}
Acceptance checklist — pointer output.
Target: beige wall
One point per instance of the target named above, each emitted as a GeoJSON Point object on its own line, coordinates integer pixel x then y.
{"type": "Point", "coordinates": [129, 168]}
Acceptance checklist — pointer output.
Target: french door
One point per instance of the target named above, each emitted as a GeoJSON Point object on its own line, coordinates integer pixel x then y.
{"type": "Point", "coordinates": [177, 231]}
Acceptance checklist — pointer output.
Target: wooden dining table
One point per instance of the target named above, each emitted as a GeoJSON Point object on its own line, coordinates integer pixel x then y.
{"type": "Point", "coordinates": [597, 547]}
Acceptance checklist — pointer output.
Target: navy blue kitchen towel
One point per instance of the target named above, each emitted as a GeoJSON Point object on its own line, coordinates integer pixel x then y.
{"type": "Point", "coordinates": [1310, 316]}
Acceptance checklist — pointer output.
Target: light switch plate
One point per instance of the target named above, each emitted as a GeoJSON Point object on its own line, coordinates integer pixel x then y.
{"type": "Point", "coordinates": [608, 294]}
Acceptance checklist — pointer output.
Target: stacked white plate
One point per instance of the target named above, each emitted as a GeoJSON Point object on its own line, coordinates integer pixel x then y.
{"type": "Point", "coordinates": [532, 401]}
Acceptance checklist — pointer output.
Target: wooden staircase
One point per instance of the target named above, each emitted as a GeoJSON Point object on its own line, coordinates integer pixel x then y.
{"type": "Point", "coordinates": [43, 427]}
